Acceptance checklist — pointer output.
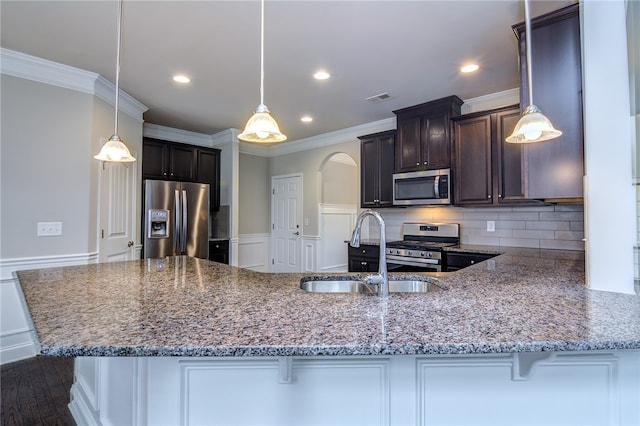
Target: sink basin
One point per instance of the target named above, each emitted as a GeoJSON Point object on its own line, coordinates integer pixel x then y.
{"type": "Point", "coordinates": [356, 286]}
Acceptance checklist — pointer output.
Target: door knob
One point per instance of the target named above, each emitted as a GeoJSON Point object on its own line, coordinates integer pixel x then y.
{"type": "Point", "coordinates": [296, 233]}
{"type": "Point", "coordinates": [130, 244]}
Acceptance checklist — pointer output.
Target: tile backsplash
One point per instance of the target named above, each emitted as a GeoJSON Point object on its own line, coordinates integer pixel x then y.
{"type": "Point", "coordinates": [551, 227]}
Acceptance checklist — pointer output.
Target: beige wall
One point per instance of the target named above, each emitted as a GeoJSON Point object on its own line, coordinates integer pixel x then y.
{"type": "Point", "coordinates": [46, 172]}
{"type": "Point", "coordinates": [310, 163]}
{"type": "Point", "coordinates": [254, 194]}
{"type": "Point", "coordinates": [49, 136]}
{"type": "Point", "coordinates": [338, 184]}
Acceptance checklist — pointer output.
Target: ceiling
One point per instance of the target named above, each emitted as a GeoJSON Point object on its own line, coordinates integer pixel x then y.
{"type": "Point", "coordinates": [411, 50]}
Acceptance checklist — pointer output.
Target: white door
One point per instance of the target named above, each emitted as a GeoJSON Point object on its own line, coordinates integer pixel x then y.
{"type": "Point", "coordinates": [286, 229]}
{"type": "Point", "coordinates": [117, 211]}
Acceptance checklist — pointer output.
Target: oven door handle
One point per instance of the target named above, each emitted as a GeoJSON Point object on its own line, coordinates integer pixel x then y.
{"type": "Point", "coordinates": [401, 260]}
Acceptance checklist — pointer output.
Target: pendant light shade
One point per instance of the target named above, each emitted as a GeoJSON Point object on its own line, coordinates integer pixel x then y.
{"type": "Point", "coordinates": [533, 126]}
{"type": "Point", "coordinates": [115, 149]}
{"type": "Point", "coordinates": [262, 127]}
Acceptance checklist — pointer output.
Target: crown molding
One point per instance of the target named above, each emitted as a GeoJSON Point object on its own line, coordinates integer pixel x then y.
{"type": "Point", "coordinates": [176, 135]}
{"type": "Point", "coordinates": [349, 134]}
{"type": "Point", "coordinates": [106, 90]}
{"type": "Point", "coordinates": [491, 101]}
{"type": "Point", "coordinates": [32, 68]}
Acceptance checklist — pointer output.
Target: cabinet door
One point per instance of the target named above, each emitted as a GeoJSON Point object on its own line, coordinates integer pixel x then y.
{"type": "Point", "coordinates": [509, 158]}
{"type": "Point", "coordinates": [219, 251]}
{"type": "Point", "coordinates": [387, 151]}
{"type": "Point", "coordinates": [181, 163]}
{"type": "Point", "coordinates": [435, 142]}
{"type": "Point", "coordinates": [155, 157]}
{"type": "Point", "coordinates": [555, 167]}
{"type": "Point", "coordinates": [408, 145]}
{"type": "Point", "coordinates": [473, 176]}
{"type": "Point", "coordinates": [369, 172]}
{"type": "Point", "coordinates": [208, 171]}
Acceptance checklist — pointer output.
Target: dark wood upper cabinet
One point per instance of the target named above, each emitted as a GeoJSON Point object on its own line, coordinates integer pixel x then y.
{"type": "Point", "coordinates": [165, 160]}
{"type": "Point", "coordinates": [423, 135]}
{"type": "Point", "coordinates": [487, 171]}
{"type": "Point", "coordinates": [376, 169]}
{"type": "Point", "coordinates": [472, 168]}
{"type": "Point", "coordinates": [208, 171]}
{"type": "Point", "coordinates": [555, 167]}
{"type": "Point", "coordinates": [169, 161]}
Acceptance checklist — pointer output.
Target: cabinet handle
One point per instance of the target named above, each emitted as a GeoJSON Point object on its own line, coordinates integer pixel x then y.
{"type": "Point", "coordinates": [426, 162]}
{"type": "Point", "coordinates": [364, 251]}
{"type": "Point", "coordinates": [499, 195]}
{"type": "Point", "coordinates": [489, 197]}
{"type": "Point", "coordinates": [473, 261]}
{"type": "Point", "coordinates": [418, 163]}
{"type": "Point", "coordinates": [363, 263]}
{"type": "Point", "coordinates": [164, 174]}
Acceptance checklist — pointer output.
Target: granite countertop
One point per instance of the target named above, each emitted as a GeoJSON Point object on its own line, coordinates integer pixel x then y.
{"type": "Point", "coordinates": [521, 301]}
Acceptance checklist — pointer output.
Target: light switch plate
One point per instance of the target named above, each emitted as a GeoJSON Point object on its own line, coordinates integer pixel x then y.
{"type": "Point", "coordinates": [491, 226]}
{"type": "Point", "coordinates": [49, 229]}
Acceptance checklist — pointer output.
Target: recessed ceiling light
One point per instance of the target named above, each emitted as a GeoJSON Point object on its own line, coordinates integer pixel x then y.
{"type": "Point", "coordinates": [469, 68]}
{"type": "Point", "coordinates": [321, 75]}
{"type": "Point", "coordinates": [181, 79]}
{"type": "Point", "coordinates": [306, 119]}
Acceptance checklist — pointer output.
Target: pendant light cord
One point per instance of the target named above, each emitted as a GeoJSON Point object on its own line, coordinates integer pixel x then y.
{"type": "Point", "coordinates": [262, 55]}
{"type": "Point", "coordinates": [118, 62]}
{"type": "Point", "coordinates": [527, 22]}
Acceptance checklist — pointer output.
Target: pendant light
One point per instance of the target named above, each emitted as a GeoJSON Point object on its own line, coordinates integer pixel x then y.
{"type": "Point", "coordinates": [114, 149]}
{"type": "Point", "coordinates": [262, 127]}
{"type": "Point", "coordinates": [533, 126]}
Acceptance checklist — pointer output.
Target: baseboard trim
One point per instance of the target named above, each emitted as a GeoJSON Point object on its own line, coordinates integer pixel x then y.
{"type": "Point", "coordinates": [80, 407]}
{"type": "Point", "coordinates": [17, 352]}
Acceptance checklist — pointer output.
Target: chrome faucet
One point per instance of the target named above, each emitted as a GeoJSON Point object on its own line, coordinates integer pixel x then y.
{"type": "Point", "coordinates": [381, 278]}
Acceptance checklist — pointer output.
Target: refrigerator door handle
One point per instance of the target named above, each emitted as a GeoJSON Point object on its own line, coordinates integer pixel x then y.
{"type": "Point", "coordinates": [177, 223]}
{"type": "Point", "coordinates": [184, 221]}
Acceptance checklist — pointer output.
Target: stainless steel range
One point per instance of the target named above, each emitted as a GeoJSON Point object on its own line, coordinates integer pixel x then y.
{"type": "Point", "coordinates": [420, 249]}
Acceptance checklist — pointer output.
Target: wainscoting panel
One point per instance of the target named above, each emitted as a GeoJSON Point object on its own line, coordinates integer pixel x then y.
{"type": "Point", "coordinates": [16, 332]}
{"type": "Point", "coordinates": [254, 252]}
{"type": "Point", "coordinates": [336, 224]}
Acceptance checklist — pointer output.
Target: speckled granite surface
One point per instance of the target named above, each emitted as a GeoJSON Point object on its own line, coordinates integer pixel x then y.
{"type": "Point", "coordinates": [523, 300]}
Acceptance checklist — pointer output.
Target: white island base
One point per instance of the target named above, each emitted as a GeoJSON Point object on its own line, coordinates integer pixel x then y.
{"type": "Point", "coordinates": [537, 388]}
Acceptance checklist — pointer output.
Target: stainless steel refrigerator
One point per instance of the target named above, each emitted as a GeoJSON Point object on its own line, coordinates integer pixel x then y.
{"type": "Point", "coordinates": [176, 219]}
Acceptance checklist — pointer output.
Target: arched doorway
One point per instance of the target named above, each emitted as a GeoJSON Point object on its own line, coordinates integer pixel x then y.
{"type": "Point", "coordinates": [338, 210]}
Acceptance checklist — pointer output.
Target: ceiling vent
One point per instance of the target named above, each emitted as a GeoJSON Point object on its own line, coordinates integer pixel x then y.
{"type": "Point", "coordinates": [376, 99]}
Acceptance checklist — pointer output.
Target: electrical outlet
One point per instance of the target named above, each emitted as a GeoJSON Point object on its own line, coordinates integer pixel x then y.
{"type": "Point", "coordinates": [491, 226]}
{"type": "Point", "coordinates": [49, 229]}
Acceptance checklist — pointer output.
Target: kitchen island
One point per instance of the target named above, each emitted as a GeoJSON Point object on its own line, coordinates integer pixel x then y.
{"type": "Point", "coordinates": [515, 339]}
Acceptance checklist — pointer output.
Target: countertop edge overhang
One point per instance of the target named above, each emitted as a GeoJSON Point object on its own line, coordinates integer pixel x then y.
{"type": "Point", "coordinates": [526, 300]}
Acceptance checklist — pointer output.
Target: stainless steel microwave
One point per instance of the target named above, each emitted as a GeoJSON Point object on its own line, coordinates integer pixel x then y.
{"type": "Point", "coordinates": [430, 187]}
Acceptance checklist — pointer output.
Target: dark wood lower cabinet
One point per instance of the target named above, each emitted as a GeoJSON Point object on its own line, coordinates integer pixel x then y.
{"type": "Point", "coordinates": [456, 261]}
{"type": "Point", "coordinates": [219, 251]}
{"type": "Point", "coordinates": [364, 258]}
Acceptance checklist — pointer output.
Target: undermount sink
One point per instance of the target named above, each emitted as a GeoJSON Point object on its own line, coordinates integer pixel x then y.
{"type": "Point", "coordinates": [359, 286]}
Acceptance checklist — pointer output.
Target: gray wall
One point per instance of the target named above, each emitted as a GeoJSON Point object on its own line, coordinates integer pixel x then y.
{"type": "Point", "coordinates": [254, 194]}
{"type": "Point", "coordinates": [48, 174]}
{"type": "Point", "coordinates": [338, 183]}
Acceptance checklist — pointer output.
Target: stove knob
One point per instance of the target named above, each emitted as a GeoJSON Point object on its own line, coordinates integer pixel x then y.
{"type": "Point", "coordinates": [430, 254]}
{"type": "Point", "coordinates": [422, 254]}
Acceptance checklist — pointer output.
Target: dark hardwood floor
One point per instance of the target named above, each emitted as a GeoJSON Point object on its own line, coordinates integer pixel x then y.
{"type": "Point", "coordinates": [36, 391]}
